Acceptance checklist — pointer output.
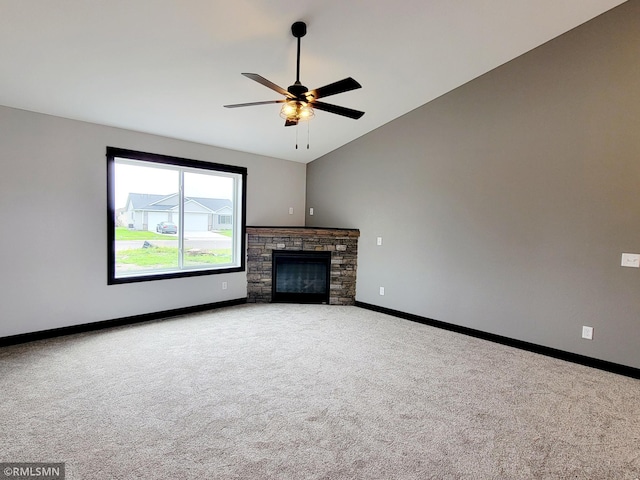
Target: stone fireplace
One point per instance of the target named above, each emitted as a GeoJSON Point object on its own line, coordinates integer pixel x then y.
{"type": "Point", "coordinates": [340, 247]}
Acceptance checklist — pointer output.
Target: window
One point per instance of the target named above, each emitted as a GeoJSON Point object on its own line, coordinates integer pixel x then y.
{"type": "Point", "coordinates": [162, 214]}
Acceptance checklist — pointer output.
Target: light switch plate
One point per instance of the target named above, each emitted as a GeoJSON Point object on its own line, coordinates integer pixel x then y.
{"type": "Point", "coordinates": [631, 260]}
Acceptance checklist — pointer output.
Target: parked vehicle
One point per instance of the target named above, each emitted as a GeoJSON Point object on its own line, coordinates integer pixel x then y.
{"type": "Point", "coordinates": [166, 227]}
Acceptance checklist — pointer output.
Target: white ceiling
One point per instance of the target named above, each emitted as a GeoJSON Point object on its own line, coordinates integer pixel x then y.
{"type": "Point", "coordinates": [167, 66]}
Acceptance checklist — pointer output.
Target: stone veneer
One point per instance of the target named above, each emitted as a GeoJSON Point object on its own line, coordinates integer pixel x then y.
{"type": "Point", "coordinates": [342, 243]}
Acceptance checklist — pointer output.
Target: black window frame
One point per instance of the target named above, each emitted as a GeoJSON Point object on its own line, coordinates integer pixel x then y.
{"type": "Point", "coordinates": [115, 152]}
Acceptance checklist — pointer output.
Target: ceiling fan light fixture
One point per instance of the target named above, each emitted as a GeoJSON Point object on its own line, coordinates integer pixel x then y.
{"type": "Point", "coordinates": [296, 111]}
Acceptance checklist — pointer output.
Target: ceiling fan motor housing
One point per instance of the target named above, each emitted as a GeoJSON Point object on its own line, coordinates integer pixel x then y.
{"type": "Point", "coordinates": [298, 90]}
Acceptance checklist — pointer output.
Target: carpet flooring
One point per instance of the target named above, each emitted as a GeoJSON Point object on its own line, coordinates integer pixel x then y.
{"type": "Point", "coordinates": [279, 391]}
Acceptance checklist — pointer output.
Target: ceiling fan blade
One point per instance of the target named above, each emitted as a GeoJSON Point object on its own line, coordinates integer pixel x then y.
{"type": "Point", "coordinates": [340, 86]}
{"type": "Point", "coordinates": [345, 112]}
{"type": "Point", "coordinates": [263, 81]}
{"type": "Point", "coordinates": [236, 105]}
{"type": "Point", "coordinates": [290, 123]}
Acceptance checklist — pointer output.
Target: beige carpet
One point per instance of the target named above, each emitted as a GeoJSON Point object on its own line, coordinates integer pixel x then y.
{"type": "Point", "coordinates": [310, 392]}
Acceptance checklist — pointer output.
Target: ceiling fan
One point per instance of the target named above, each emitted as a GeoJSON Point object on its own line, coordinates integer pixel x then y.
{"type": "Point", "coordinates": [299, 101]}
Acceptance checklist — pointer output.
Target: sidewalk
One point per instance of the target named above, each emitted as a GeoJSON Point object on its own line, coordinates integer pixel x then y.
{"type": "Point", "coordinates": [203, 235]}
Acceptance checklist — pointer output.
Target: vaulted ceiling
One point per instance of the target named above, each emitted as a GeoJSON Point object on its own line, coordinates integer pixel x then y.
{"type": "Point", "coordinates": [167, 67]}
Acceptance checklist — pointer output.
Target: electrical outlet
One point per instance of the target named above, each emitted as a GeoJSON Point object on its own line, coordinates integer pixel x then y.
{"type": "Point", "coordinates": [290, 210]}
{"type": "Point", "coordinates": [587, 333]}
{"type": "Point", "coordinates": [311, 211]}
{"type": "Point", "coordinates": [224, 285]}
{"type": "Point", "coordinates": [379, 241]}
{"type": "Point", "coordinates": [631, 260]}
{"type": "Point", "coordinates": [381, 290]}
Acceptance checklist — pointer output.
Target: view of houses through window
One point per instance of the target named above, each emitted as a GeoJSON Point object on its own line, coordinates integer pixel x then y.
{"type": "Point", "coordinates": [172, 218]}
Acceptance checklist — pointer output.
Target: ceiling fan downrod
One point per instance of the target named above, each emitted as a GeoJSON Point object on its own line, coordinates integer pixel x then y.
{"type": "Point", "coordinates": [299, 30]}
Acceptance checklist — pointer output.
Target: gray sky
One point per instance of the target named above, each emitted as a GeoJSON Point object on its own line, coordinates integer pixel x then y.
{"type": "Point", "coordinates": [138, 179]}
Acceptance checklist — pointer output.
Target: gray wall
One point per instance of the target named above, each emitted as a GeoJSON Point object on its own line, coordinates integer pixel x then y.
{"type": "Point", "coordinates": [53, 211]}
{"type": "Point", "coordinates": [506, 204]}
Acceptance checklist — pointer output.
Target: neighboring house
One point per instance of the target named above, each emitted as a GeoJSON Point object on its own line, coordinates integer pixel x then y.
{"type": "Point", "coordinates": [121, 217]}
{"type": "Point", "coordinates": [144, 211]}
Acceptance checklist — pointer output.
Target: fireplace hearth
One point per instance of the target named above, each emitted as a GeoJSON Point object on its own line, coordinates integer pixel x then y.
{"type": "Point", "coordinates": [302, 265]}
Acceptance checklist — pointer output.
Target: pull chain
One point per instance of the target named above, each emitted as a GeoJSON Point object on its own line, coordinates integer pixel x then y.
{"type": "Point", "coordinates": [308, 135]}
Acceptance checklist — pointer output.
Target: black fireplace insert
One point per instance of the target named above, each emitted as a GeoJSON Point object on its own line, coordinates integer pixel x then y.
{"type": "Point", "coordinates": [301, 276]}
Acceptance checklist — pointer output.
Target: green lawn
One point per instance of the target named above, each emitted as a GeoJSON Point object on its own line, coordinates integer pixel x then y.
{"type": "Point", "coordinates": [123, 233]}
{"type": "Point", "coordinates": [164, 257]}
{"type": "Point", "coordinates": [167, 257]}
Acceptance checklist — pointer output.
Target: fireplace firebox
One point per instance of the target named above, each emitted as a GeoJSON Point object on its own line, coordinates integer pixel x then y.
{"type": "Point", "coordinates": [301, 277]}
